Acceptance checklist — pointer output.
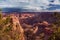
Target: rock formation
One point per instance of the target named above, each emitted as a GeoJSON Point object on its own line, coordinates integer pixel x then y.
{"type": "Point", "coordinates": [16, 26]}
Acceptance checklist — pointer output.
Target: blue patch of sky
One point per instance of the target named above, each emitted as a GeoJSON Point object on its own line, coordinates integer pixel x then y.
{"type": "Point", "coordinates": [53, 7]}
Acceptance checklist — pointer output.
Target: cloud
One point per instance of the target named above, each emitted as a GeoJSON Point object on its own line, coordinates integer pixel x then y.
{"type": "Point", "coordinates": [29, 4]}
{"type": "Point", "coordinates": [32, 7]}
{"type": "Point", "coordinates": [56, 2]}
{"type": "Point", "coordinates": [14, 3]}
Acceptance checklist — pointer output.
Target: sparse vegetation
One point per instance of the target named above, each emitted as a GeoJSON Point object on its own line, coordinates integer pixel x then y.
{"type": "Point", "coordinates": [6, 31]}
{"type": "Point", "coordinates": [56, 27]}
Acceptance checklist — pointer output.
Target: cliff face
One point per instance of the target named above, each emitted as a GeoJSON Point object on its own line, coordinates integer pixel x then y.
{"type": "Point", "coordinates": [17, 27]}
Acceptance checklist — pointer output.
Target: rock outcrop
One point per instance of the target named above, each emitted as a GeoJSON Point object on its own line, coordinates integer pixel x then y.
{"type": "Point", "coordinates": [16, 26]}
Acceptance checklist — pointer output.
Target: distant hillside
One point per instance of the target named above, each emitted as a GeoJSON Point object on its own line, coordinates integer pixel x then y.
{"type": "Point", "coordinates": [17, 10]}
{"type": "Point", "coordinates": [47, 16]}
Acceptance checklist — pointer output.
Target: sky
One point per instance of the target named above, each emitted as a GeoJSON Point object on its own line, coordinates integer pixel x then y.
{"type": "Point", "coordinates": [31, 4]}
